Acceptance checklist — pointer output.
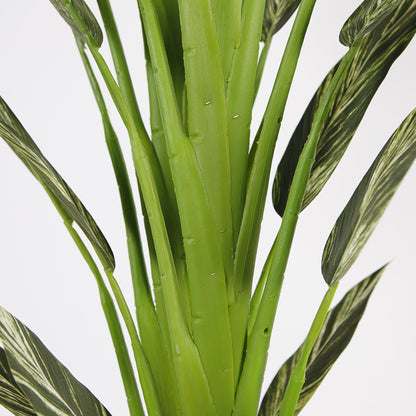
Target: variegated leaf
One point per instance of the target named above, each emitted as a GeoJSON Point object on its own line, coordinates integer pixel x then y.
{"type": "Point", "coordinates": [360, 216]}
{"type": "Point", "coordinates": [86, 16]}
{"type": "Point", "coordinates": [368, 15]}
{"type": "Point", "coordinates": [336, 333]}
{"type": "Point", "coordinates": [25, 148]}
{"type": "Point", "coordinates": [11, 397]}
{"type": "Point", "coordinates": [371, 64]}
{"type": "Point", "coordinates": [276, 14]}
{"type": "Point", "coordinates": [50, 387]}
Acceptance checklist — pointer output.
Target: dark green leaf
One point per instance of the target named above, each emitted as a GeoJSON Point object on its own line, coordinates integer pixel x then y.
{"type": "Point", "coordinates": [276, 14]}
{"type": "Point", "coordinates": [25, 148]}
{"type": "Point", "coordinates": [11, 397]}
{"type": "Point", "coordinates": [50, 387]}
{"type": "Point", "coordinates": [87, 18]}
{"type": "Point", "coordinates": [359, 218]}
{"type": "Point", "coordinates": [336, 333]}
{"type": "Point", "coordinates": [371, 64]}
{"type": "Point", "coordinates": [368, 15]}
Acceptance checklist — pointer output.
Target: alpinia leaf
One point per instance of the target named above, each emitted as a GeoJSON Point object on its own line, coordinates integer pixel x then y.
{"type": "Point", "coordinates": [50, 387]}
{"type": "Point", "coordinates": [368, 15]}
{"type": "Point", "coordinates": [276, 14]}
{"type": "Point", "coordinates": [359, 218]}
{"type": "Point", "coordinates": [336, 333]}
{"type": "Point", "coordinates": [85, 14]}
{"type": "Point", "coordinates": [11, 397]}
{"type": "Point", "coordinates": [25, 148]}
{"type": "Point", "coordinates": [376, 54]}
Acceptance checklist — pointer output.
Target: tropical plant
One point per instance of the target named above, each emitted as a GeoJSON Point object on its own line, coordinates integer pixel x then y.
{"type": "Point", "coordinates": [201, 320]}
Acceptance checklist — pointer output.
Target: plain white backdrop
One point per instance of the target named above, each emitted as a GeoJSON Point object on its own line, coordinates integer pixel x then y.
{"type": "Point", "coordinates": [45, 283]}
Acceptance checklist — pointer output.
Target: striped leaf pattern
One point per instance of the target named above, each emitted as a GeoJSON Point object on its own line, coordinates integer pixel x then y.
{"type": "Point", "coordinates": [276, 14]}
{"type": "Point", "coordinates": [49, 386]}
{"type": "Point", "coordinates": [86, 16]}
{"type": "Point", "coordinates": [365, 18]}
{"type": "Point", "coordinates": [11, 397]}
{"type": "Point", "coordinates": [335, 335]}
{"type": "Point", "coordinates": [371, 64]}
{"type": "Point", "coordinates": [359, 218]}
{"type": "Point", "coordinates": [25, 148]}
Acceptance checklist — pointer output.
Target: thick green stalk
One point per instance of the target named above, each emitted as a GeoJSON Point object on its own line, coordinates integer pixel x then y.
{"type": "Point", "coordinates": [146, 316]}
{"type": "Point", "coordinates": [256, 357]}
{"type": "Point", "coordinates": [297, 379]}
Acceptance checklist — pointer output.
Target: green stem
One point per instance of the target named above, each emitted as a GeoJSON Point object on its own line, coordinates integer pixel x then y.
{"type": "Point", "coordinates": [261, 63]}
{"type": "Point", "coordinates": [297, 379]}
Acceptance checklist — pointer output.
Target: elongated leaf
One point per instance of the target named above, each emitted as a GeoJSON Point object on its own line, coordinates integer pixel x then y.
{"type": "Point", "coordinates": [25, 148]}
{"type": "Point", "coordinates": [276, 14]}
{"type": "Point", "coordinates": [368, 15]}
{"type": "Point", "coordinates": [85, 14]}
{"type": "Point", "coordinates": [371, 64]}
{"type": "Point", "coordinates": [50, 387]}
{"type": "Point", "coordinates": [11, 397]}
{"type": "Point", "coordinates": [359, 218]}
{"type": "Point", "coordinates": [336, 333]}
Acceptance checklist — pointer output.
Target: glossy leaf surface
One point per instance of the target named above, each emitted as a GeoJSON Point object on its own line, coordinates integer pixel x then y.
{"type": "Point", "coordinates": [371, 64]}
{"type": "Point", "coordinates": [337, 331]}
{"type": "Point", "coordinates": [50, 387]}
{"type": "Point", "coordinates": [11, 397]}
{"type": "Point", "coordinates": [25, 148]}
{"type": "Point", "coordinates": [85, 14]}
{"type": "Point", "coordinates": [276, 14]}
{"type": "Point", "coordinates": [365, 18]}
{"type": "Point", "coordinates": [359, 218]}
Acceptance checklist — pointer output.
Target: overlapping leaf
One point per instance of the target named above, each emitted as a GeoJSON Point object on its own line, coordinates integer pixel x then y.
{"type": "Point", "coordinates": [368, 15]}
{"type": "Point", "coordinates": [11, 397]}
{"type": "Point", "coordinates": [336, 333]}
{"type": "Point", "coordinates": [86, 16]}
{"type": "Point", "coordinates": [25, 148]}
{"type": "Point", "coordinates": [51, 389]}
{"type": "Point", "coordinates": [359, 218]}
{"type": "Point", "coordinates": [371, 64]}
{"type": "Point", "coordinates": [276, 14]}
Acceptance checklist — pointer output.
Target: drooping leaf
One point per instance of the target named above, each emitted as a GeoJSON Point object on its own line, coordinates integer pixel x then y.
{"type": "Point", "coordinates": [86, 16]}
{"type": "Point", "coordinates": [359, 218]}
{"type": "Point", "coordinates": [50, 387]}
{"type": "Point", "coordinates": [368, 15]}
{"type": "Point", "coordinates": [335, 335]}
{"type": "Point", "coordinates": [25, 148]}
{"type": "Point", "coordinates": [276, 14]}
{"type": "Point", "coordinates": [11, 397]}
{"type": "Point", "coordinates": [375, 55]}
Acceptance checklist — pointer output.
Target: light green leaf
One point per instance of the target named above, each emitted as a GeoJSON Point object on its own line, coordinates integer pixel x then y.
{"type": "Point", "coordinates": [25, 148]}
{"type": "Point", "coordinates": [11, 397]}
{"type": "Point", "coordinates": [375, 55]}
{"type": "Point", "coordinates": [336, 333]}
{"type": "Point", "coordinates": [86, 16]}
{"type": "Point", "coordinates": [359, 218]}
{"type": "Point", "coordinates": [276, 14]}
{"type": "Point", "coordinates": [50, 387]}
{"type": "Point", "coordinates": [368, 15]}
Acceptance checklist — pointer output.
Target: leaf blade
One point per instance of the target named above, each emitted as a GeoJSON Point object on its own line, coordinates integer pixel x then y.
{"type": "Point", "coordinates": [362, 212]}
{"type": "Point", "coordinates": [25, 148]}
{"type": "Point", "coordinates": [337, 331]}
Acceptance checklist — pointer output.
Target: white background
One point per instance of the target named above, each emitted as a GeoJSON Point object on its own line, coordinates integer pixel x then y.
{"type": "Point", "coordinates": [45, 282]}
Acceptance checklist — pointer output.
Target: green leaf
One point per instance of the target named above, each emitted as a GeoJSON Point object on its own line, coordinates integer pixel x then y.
{"type": "Point", "coordinates": [276, 14]}
{"type": "Point", "coordinates": [50, 387]}
{"type": "Point", "coordinates": [375, 55]}
{"type": "Point", "coordinates": [25, 148]}
{"type": "Point", "coordinates": [86, 15]}
{"type": "Point", "coordinates": [368, 15]}
{"type": "Point", "coordinates": [11, 397]}
{"type": "Point", "coordinates": [359, 218]}
{"type": "Point", "coordinates": [336, 333]}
